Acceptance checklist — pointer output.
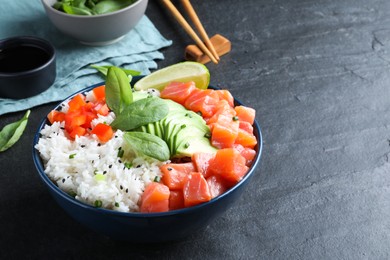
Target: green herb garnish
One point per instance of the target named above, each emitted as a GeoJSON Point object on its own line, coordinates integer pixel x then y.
{"type": "Point", "coordinates": [128, 165]}
{"type": "Point", "coordinates": [98, 203]}
{"type": "Point", "coordinates": [11, 133]}
{"type": "Point", "coordinates": [120, 152]}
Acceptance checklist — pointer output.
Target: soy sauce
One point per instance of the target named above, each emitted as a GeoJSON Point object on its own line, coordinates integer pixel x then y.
{"type": "Point", "coordinates": [22, 58]}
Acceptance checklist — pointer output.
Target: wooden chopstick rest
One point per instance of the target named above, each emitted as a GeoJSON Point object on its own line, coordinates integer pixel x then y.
{"type": "Point", "coordinates": [198, 24]}
{"type": "Point", "coordinates": [220, 43]}
{"type": "Point", "coordinates": [182, 21]}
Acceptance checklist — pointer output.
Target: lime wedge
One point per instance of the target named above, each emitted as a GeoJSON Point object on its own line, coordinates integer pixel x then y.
{"type": "Point", "coordinates": [181, 72]}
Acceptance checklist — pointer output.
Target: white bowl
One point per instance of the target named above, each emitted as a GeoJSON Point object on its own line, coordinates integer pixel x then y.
{"type": "Point", "coordinates": [100, 29]}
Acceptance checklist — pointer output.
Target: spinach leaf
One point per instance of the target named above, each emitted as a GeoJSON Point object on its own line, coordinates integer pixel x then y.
{"type": "Point", "coordinates": [107, 6]}
{"type": "Point", "coordinates": [147, 144]}
{"type": "Point", "coordinates": [118, 91]}
{"type": "Point", "coordinates": [69, 9]}
{"type": "Point", "coordinates": [91, 7]}
{"type": "Point", "coordinates": [104, 69]}
{"type": "Point", "coordinates": [141, 112]}
{"type": "Point", "coordinates": [11, 133]}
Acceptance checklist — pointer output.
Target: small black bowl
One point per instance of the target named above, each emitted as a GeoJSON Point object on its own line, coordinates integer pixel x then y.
{"type": "Point", "coordinates": [27, 66]}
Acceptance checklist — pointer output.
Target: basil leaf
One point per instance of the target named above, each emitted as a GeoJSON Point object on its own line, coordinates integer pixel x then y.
{"type": "Point", "coordinates": [118, 90]}
{"type": "Point", "coordinates": [107, 6]}
{"type": "Point", "coordinates": [141, 112]}
{"type": "Point", "coordinates": [147, 144]}
{"type": "Point", "coordinates": [104, 69]}
{"type": "Point", "coordinates": [11, 133]}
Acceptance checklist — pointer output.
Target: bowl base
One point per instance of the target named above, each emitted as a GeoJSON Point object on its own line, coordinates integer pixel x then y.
{"type": "Point", "coordinates": [103, 43]}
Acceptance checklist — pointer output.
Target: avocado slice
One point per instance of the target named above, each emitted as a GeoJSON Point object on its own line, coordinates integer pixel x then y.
{"type": "Point", "coordinates": [193, 144]}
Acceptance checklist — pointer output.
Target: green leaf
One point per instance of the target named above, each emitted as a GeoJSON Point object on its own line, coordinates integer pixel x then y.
{"type": "Point", "coordinates": [141, 112]}
{"type": "Point", "coordinates": [118, 91]}
{"type": "Point", "coordinates": [104, 69]}
{"type": "Point", "coordinates": [76, 10]}
{"type": "Point", "coordinates": [11, 133]}
{"type": "Point", "coordinates": [107, 6]}
{"type": "Point", "coordinates": [147, 144]}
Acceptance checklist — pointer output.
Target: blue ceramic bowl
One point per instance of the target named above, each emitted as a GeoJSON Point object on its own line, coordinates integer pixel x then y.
{"type": "Point", "coordinates": [151, 227]}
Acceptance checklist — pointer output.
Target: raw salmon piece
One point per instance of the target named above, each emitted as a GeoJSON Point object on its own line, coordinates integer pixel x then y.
{"type": "Point", "coordinates": [246, 114]}
{"type": "Point", "coordinates": [224, 132]}
{"type": "Point", "coordinates": [202, 100]}
{"type": "Point", "coordinates": [178, 91]}
{"type": "Point", "coordinates": [176, 200]}
{"type": "Point", "coordinates": [195, 190]}
{"type": "Point", "coordinates": [155, 198]}
{"type": "Point", "coordinates": [229, 164]}
{"type": "Point", "coordinates": [175, 174]}
{"type": "Point", "coordinates": [202, 162]}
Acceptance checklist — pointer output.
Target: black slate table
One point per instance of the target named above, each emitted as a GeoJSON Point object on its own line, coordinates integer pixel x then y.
{"type": "Point", "coordinates": [318, 74]}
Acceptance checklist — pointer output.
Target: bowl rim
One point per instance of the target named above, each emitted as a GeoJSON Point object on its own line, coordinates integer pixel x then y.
{"type": "Point", "coordinates": [39, 166]}
{"type": "Point", "coordinates": [27, 40]}
{"type": "Point", "coordinates": [49, 7]}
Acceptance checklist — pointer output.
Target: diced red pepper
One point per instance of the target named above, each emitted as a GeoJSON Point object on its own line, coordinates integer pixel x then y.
{"type": "Point", "coordinates": [100, 93]}
{"type": "Point", "coordinates": [103, 131]}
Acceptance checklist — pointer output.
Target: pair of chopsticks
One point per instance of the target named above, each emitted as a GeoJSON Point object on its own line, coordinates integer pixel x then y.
{"type": "Point", "coordinates": [207, 47]}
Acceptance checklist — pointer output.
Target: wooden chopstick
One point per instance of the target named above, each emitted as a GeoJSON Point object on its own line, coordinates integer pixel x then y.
{"type": "Point", "coordinates": [189, 30]}
{"type": "Point", "coordinates": [198, 24]}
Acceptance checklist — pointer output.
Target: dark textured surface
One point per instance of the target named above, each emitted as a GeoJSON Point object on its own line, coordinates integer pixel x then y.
{"type": "Point", "coordinates": [318, 74]}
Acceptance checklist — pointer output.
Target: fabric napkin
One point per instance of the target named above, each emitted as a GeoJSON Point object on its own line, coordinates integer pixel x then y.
{"type": "Point", "coordinates": [136, 51]}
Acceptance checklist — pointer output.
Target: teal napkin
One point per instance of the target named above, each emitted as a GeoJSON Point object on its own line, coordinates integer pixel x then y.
{"type": "Point", "coordinates": [138, 50]}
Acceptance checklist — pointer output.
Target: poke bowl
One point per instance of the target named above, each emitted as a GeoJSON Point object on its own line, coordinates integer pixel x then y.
{"type": "Point", "coordinates": [120, 217]}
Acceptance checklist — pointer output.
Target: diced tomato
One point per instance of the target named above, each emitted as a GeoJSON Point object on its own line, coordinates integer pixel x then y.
{"type": "Point", "coordinates": [178, 91]}
{"type": "Point", "coordinates": [217, 185]}
{"type": "Point", "coordinates": [202, 100]}
{"type": "Point", "coordinates": [155, 198]}
{"type": "Point", "coordinates": [175, 174]}
{"type": "Point", "coordinates": [229, 164]}
{"type": "Point", "coordinates": [195, 190]}
{"type": "Point", "coordinates": [246, 114]}
{"type": "Point", "coordinates": [201, 162]}
{"type": "Point", "coordinates": [245, 139]}
{"type": "Point", "coordinates": [103, 131]}
{"type": "Point", "coordinates": [56, 116]}
{"type": "Point", "coordinates": [76, 102]}
{"type": "Point", "coordinates": [101, 108]}
{"type": "Point", "coordinates": [77, 131]}
{"type": "Point", "coordinates": [73, 119]}
{"type": "Point", "coordinates": [89, 116]}
{"type": "Point", "coordinates": [225, 94]}
{"type": "Point", "coordinates": [224, 132]}
{"type": "Point", "coordinates": [100, 93]}
{"type": "Point", "coordinates": [176, 200]}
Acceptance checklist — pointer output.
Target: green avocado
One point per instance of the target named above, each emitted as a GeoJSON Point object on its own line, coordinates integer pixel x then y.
{"type": "Point", "coordinates": [193, 144]}
{"type": "Point", "coordinates": [183, 130]}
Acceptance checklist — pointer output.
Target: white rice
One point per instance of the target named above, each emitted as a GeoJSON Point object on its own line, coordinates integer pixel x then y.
{"type": "Point", "coordinates": [92, 171]}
